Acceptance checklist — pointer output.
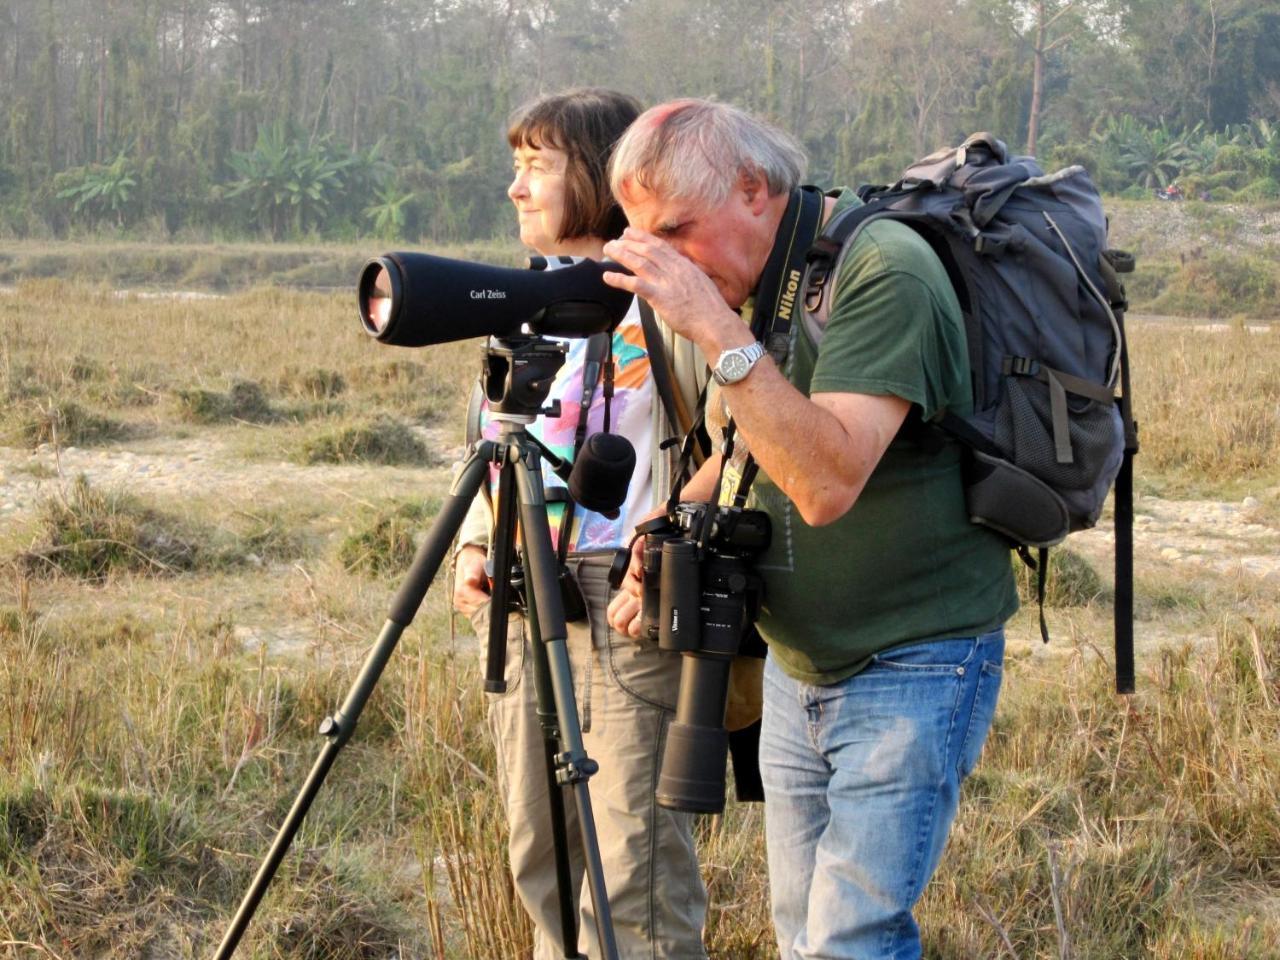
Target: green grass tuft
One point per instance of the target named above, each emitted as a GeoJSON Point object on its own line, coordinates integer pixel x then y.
{"type": "Point", "coordinates": [245, 400]}
{"type": "Point", "coordinates": [1072, 581]}
{"type": "Point", "coordinates": [384, 541]}
{"type": "Point", "coordinates": [90, 534]}
{"type": "Point", "coordinates": [61, 423]}
{"type": "Point", "coordinates": [382, 439]}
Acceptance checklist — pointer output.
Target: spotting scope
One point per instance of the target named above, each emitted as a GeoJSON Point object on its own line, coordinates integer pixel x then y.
{"type": "Point", "coordinates": [417, 299]}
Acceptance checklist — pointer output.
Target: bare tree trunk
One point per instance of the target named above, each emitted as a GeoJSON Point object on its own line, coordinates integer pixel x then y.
{"type": "Point", "coordinates": [184, 44]}
{"type": "Point", "coordinates": [1043, 46]}
{"type": "Point", "coordinates": [100, 131]}
{"type": "Point", "coordinates": [1213, 57]}
{"type": "Point", "coordinates": [52, 52]}
{"type": "Point", "coordinates": [1037, 81]}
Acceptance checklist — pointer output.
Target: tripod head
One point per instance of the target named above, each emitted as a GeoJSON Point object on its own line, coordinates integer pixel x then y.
{"type": "Point", "coordinates": [518, 374]}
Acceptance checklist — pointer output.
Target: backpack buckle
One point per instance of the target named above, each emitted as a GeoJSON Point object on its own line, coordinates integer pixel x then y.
{"type": "Point", "coordinates": [820, 258]}
{"type": "Point", "coordinates": [986, 245]}
{"type": "Point", "coordinates": [1019, 367]}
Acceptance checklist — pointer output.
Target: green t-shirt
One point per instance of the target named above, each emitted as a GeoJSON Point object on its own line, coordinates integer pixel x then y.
{"type": "Point", "coordinates": [905, 564]}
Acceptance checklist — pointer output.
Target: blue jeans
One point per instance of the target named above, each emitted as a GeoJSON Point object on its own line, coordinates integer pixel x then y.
{"type": "Point", "coordinates": [861, 781]}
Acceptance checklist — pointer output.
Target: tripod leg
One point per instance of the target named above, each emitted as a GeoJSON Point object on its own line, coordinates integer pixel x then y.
{"type": "Point", "coordinates": [548, 722]}
{"type": "Point", "coordinates": [501, 555]}
{"type": "Point", "coordinates": [337, 729]}
{"type": "Point", "coordinates": [495, 682]}
{"type": "Point", "coordinates": [546, 621]}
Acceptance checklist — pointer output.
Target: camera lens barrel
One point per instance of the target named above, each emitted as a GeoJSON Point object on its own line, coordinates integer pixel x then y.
{"type": "Point", "coordinates": [708, 597]}
{"type": "Point", "coordinates": [696, 755]}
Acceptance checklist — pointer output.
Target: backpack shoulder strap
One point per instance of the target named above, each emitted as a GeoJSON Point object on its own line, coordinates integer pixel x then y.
{"type": "Point", "coordinates": [822, 263]}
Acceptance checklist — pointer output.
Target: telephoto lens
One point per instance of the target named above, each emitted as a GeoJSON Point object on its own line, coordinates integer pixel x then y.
{"type": "Point", "coordinates": [709, 598]}
{"type": "Point", "coordinates": [692, 777]}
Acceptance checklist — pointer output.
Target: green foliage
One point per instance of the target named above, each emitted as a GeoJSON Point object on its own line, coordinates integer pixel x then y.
{"type": "Point", "coordinates": [100, 191]}
{"type": "Point", "coordinates": [286, 185]}
{"type": "Point", "coordinates": [1221, 285]}
{"type": "Point", "coordinates": [1264, 188]}
{"type": "Point", "coordinates": [322, 118]}
{"type": "Point", "coordinates": [389, 213]}
{"type": "Point", "coordinates": [1155, 156]}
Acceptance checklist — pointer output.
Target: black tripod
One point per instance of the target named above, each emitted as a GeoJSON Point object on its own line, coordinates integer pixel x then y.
{"type": "Point", "coordinates": [518, 375]}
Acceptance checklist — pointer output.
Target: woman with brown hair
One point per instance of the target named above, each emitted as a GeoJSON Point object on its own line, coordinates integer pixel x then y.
{"type": "Point", "coordinates": [625, 688]}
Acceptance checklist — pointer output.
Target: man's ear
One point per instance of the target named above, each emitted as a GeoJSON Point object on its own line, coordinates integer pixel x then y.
{"type": "Point", "coordinates": [755, 189]}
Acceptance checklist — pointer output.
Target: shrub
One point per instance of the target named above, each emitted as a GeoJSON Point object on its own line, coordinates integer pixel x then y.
{"type": "Point", "coordinates": [1148, 281]}
{"type": "Point", "coordinates": [1222, 285]}
{"type": "Point", "coordinates": [384, 542]}
{"type": "Point", "coordinates": [1264, 188]}
{"type": "Point", "coordinates": [90, 534]}
{"type": "Point", "coordinates": [61, 423]}
{"type": "Point", "coordinates": [245, 400]}
{"type": "Point", "coordinates": [380, 440]}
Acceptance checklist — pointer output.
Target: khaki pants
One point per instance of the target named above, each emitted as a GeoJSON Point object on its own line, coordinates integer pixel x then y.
{"type": "Point", "coordinates": [625, 691]}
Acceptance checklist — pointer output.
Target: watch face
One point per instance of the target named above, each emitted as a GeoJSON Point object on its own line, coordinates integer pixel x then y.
{"type": "Point", "coordinates": [734, 366]}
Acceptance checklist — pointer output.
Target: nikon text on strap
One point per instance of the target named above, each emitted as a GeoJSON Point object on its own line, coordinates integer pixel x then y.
{"type": "Point", "coordinates": [778, 296]}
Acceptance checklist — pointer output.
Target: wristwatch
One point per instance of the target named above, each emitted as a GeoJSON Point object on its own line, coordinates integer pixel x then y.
{"type": "Point", "coordinates": [735, 364]}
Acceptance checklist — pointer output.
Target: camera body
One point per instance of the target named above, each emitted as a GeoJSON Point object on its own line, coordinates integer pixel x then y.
{"type": "Point", "coordinates": [701, 593]}
{"type": "Point", "coordinates": [700, 589]}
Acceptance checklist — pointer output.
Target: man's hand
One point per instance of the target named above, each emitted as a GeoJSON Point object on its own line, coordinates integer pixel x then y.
{"type": "Point", "coordinates": [688, 301]}
{"type": "Point", "coordinates": [470, 585]}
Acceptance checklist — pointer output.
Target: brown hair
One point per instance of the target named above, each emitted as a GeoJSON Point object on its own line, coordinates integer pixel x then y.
{"type": "Point", "coordinates": [584, 123]}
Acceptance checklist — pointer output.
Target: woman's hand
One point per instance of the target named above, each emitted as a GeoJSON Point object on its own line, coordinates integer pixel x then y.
{"type": "Point", "coordinates": [470, 584]}
{"type": "Point", "coordinates": [625, 607]}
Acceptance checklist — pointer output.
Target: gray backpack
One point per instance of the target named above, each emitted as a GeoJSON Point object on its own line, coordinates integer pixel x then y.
{"type": "Point", "coordinates": [1043, 306]}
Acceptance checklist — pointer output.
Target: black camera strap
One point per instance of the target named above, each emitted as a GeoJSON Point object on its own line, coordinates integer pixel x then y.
{"type": "Point", "coordinates": [777, 294]}
{"type": "Point", "coordinates": [598, 360]}
{"type": "Point", "coordinates": [777, 298]}
{"type": "Point", "coordinates": [692, 440]}
{"type": "Point", "coordinates": [658, 364]}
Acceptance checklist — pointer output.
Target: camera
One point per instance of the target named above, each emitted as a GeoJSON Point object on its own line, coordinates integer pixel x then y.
{"type": "Point", "coordinates": [701, 593]}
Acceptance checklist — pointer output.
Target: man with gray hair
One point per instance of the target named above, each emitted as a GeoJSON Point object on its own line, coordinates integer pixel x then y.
{"type": "Point", "coordinates": [884, 606]}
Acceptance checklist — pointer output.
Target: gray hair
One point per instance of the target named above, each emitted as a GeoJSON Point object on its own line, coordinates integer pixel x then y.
{"type": "Point", "coordinates": [698, 149]}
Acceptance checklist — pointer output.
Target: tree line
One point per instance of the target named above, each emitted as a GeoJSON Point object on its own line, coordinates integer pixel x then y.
{"type": "Point", "coordinates": [351, 118]}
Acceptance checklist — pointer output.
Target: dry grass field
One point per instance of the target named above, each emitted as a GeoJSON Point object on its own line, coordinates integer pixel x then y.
{"type": "Point", "coordinates": [206, 504]}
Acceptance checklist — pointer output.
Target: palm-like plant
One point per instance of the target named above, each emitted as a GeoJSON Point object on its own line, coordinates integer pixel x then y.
{"type": "Point", "coordinates": [1156, 156]}
{"type": "Point", "coordinates": [286, 183]}
{"type": "Point", "coordinates": [102, 190]}
{"type": "Point", "coordinates": [388, 215]}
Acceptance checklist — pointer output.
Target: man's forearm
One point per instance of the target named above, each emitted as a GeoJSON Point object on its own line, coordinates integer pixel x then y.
{"type": "Point", "coordinates": [805, 446]}
{"type": "Point", "coordinates": [702, 485]}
